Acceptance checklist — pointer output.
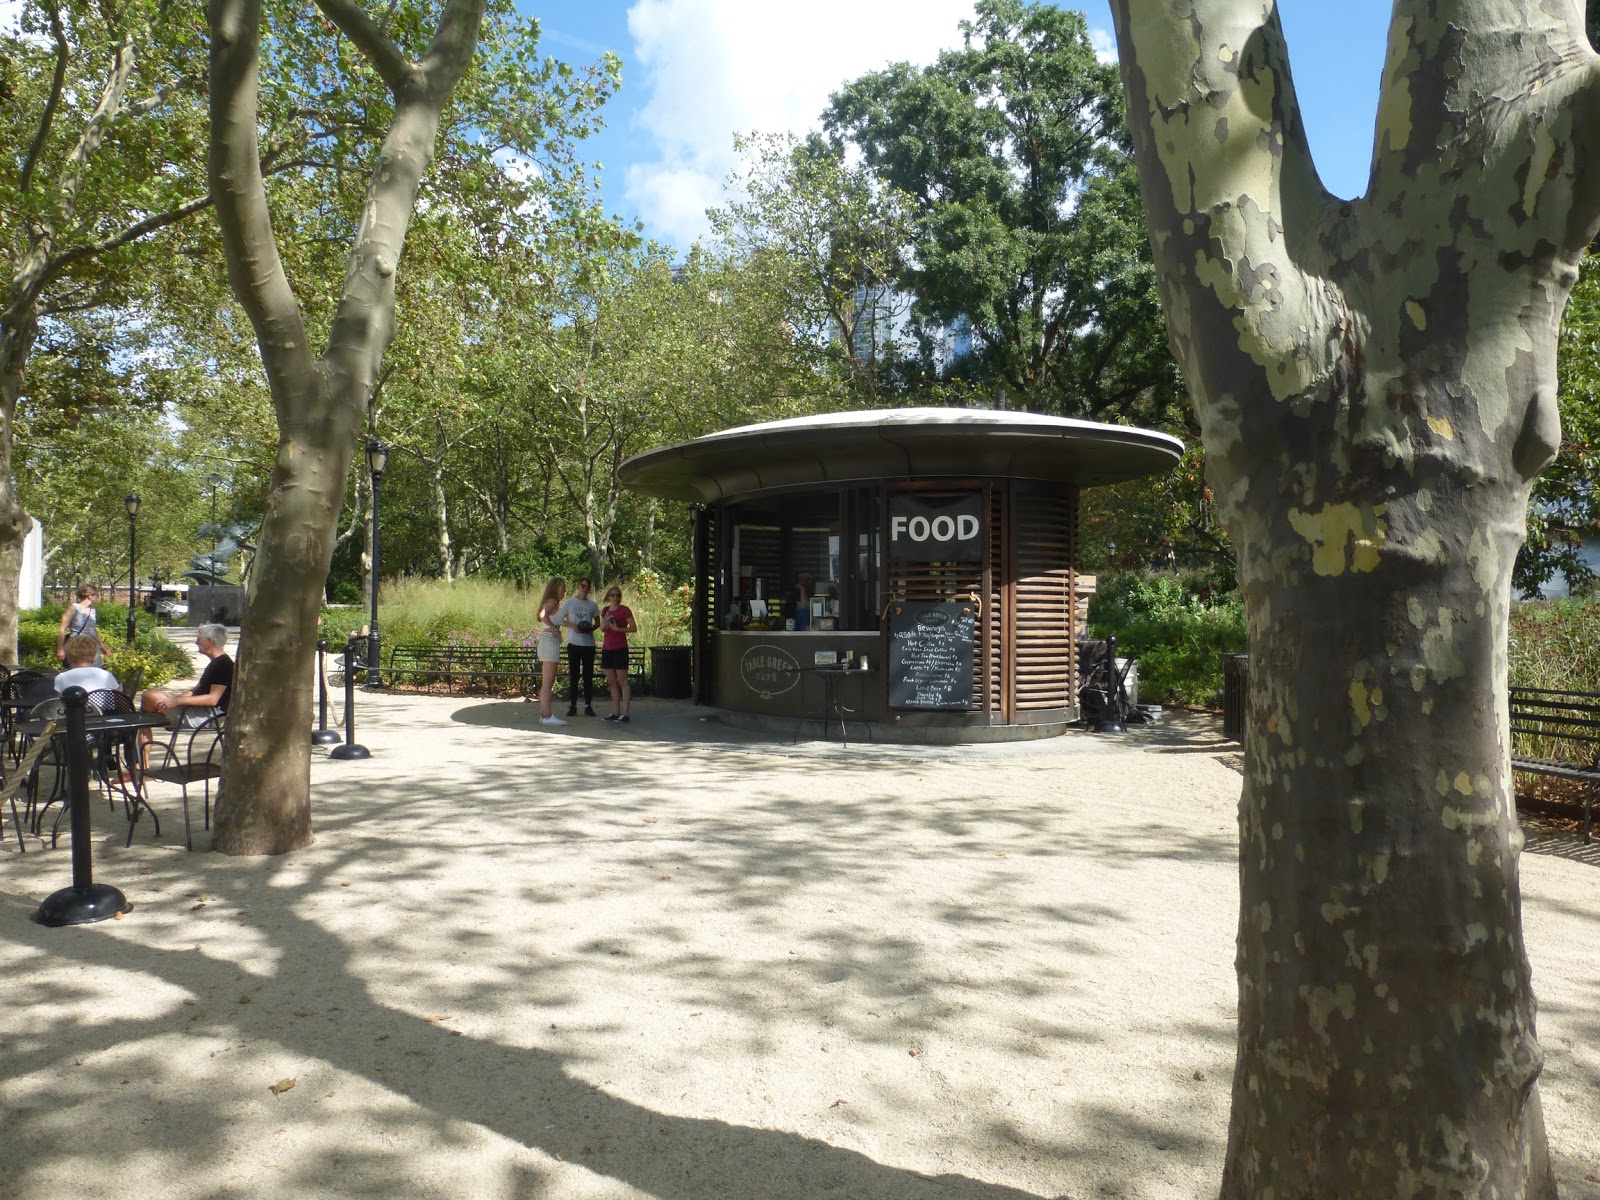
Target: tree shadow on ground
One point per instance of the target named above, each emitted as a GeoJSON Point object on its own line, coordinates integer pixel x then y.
{"type": "Point", "coordinates": [457, 998]}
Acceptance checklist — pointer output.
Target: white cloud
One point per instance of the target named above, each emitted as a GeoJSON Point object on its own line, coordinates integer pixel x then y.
{"type": "Point", "coordinates": [713, 68]}
{"type": "Point", "coordinates": [1105, 45]}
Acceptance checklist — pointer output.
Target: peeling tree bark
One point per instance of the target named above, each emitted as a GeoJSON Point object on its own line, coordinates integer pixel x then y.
{"type": "Point", "coordinates": [1375, 382]}
{"type": "Point", "coordinates": [264, 803]}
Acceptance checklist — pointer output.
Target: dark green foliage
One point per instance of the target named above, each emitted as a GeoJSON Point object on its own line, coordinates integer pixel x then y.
{"type": "Point", "coordinates": [1177, 627]}
{"type": "Point", "coordinates": [36, 643]}
{"type": "Point", "coordinates": [1565, 507]}
{"type": "Point", "coordinates": [532, 566]}
{"type": "Point", "coordinates": [1027, 220]}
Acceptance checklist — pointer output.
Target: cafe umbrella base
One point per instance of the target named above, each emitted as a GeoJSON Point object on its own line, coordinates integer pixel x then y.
{"type": "Point", "coordinates": [74, 906]}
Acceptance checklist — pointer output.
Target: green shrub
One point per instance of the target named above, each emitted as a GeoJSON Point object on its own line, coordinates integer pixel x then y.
{"type": "Point", "coordinates": [661, 610]}
{"type": "Point", "coordinates": [1174, 629]}
{"type": "Point", "coordinates": [36, 642]}
{"type": "Point", "coordinates": [158, 668]}
{"type": "Point", "coordinates": [38, 629]}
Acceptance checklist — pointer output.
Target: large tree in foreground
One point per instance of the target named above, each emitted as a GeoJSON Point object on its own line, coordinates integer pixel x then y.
{"type": "Point", "coordinates": [512, 101]}
{"type": "Point", "coordinates": [1375, 382]}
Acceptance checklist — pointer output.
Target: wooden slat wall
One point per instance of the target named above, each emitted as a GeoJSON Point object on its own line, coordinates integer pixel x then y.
{"type": "Point", "coordinates": [1045, 647]}
{"type": "Point", "coordinates": [708, 552]}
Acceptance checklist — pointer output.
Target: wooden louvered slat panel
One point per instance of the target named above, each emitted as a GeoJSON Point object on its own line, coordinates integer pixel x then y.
{"type": "Point", "coordinates": [710, 599]}
{"type": "Point", "coordinates": [1045, 649]}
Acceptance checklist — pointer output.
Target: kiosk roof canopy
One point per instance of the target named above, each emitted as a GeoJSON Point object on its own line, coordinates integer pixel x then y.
{"type": "Point", "coordinates": [899, 443]}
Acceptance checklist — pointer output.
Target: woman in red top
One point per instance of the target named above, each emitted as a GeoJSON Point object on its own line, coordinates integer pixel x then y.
{"type": "Point", "coordinates": [616, 623]}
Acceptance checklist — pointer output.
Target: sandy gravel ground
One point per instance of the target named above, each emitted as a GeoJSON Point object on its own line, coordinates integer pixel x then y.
{"type": "Point", "coordinates": [669, 960]}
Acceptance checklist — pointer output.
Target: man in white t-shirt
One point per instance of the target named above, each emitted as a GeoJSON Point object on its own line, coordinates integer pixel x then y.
{"type": "Point", "coordinates": [581, 616]}
{"type": "Point", "coordinates": [81, 672]}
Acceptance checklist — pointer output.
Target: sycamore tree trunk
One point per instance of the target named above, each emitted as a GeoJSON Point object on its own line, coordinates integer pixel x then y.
{"type": "Point", "coordinates": [441, 517]}
{"type": "Point", "coordinates": [264, 803]}
{"type": "Point", "coordinates": [1375, 382]}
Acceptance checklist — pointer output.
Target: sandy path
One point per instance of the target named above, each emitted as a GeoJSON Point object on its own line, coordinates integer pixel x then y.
{"type": "Point", "coordinates": [673, 961]}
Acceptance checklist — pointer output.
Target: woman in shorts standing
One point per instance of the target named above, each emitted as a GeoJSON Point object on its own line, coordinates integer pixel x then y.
{"type": "Point", "coordinates": [550, 648]}
{"type": "Point", "coordinates": [616, 623]}
{"type": "Point", "coordinates": [80, 620]}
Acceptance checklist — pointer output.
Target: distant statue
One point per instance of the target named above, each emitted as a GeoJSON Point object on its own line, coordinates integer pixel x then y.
{"type": "Point", "coordinates": [227, 541]}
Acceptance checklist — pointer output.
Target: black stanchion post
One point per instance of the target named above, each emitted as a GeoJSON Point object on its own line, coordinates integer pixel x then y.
{"type": "Point", "coordinates": [350, 749]}
{"type": "Point", "coordinates": [322, 735]}
{"type": "Point", "coordinates": [85, 901]}
{"type": "Point", "coordinates": [1112, 721]}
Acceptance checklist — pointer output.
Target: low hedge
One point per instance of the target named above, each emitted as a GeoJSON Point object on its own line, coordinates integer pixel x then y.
{"type": "Point", "coordinates": [161, 660]}
{"type": "Point", "coordinates": [1178, 635]}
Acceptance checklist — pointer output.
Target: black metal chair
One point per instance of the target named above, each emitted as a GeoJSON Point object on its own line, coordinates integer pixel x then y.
{"type": "Point", "coordinates": [113, 759]}
{"type": "Point", "coordinates": [22, 691]}
{"type": "Point", "coordinates": [193, 755]}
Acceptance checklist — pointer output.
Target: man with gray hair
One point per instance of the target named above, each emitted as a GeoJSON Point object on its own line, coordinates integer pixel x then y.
{"type": "Point", "coordinates": [216, 681]}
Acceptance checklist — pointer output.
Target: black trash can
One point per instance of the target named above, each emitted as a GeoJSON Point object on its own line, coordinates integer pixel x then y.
{"type": "Point", "coordinates": [1235, 689]}
{"type": "Point", "coordinates": [671, 672]}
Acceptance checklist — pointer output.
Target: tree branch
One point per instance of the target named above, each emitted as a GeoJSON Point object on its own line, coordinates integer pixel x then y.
{"type": "Point", "coordinates": [385, 57]}
{"type": "Point", "coordinates": [454, 44]}
{"type": "Point", "coordinates": [100, 120]}
{"type": "Point", "coordinates": [63, 53]}
{"type": "Point", "coordinates": [254, 269]}
{"type": "Point", "coordinates": [363, 323]}
{"type": "Point", "coordinates": [1231, 128]}
{"type": "Point", "coordinates": [133, 233]}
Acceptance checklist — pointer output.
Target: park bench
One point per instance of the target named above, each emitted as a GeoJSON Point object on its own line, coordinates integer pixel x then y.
{"type": "Point", "coordinates": [1567, 726]}
{"type": "Point", "coordinates": [471, 667]}
{"type": "Point", "coordinates": [485, 666]}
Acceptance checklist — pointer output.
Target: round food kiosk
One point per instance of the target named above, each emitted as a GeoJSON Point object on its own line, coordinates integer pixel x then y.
{"type": "Point", "coordinates": [903, 574]}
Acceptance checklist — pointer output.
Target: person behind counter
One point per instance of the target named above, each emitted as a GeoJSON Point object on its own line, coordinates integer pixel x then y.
{"type": "Point", "coordinates": [550, 648]}
{"type": "Point", "coordinates": [797, 604]}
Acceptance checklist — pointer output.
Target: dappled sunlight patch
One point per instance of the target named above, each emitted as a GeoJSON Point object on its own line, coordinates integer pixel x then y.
{"type": "Point", "coordinates": [514, 964]}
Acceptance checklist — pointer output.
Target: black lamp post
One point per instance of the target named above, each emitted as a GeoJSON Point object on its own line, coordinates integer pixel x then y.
{"type": "Point", "coordinates": [377, 459]}
{"type": "Point", "coordinates": [133, 515]}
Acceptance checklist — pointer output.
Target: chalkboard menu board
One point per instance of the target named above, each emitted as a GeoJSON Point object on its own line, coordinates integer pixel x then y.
{"type": "Point", "coordinates": [930, 655]}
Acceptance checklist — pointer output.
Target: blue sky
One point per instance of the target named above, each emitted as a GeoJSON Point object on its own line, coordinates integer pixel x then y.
{"type": "Point", "coordinates": [697, 71]}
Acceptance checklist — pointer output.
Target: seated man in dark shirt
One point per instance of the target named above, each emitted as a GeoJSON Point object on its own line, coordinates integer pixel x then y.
{"type": "Point", "coordinates": [216, 681]}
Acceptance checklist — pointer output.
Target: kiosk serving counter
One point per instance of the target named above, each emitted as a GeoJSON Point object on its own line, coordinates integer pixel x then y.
{"type": "Point", "coordinates": [926, 558]}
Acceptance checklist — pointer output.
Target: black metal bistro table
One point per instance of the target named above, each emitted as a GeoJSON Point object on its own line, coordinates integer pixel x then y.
{"type": "Point", "coordinates": [106, 728]}
{"type": "Point", "coordinates": [833, 676]}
